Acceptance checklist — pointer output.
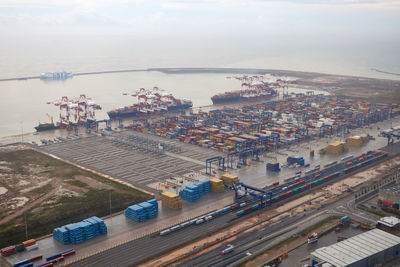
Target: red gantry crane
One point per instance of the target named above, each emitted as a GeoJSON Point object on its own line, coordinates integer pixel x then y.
{"type": "Point", "coordinates": [76, 111]}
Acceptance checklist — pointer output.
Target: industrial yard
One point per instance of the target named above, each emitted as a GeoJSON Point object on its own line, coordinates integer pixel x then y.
{"type": "Point", "coordinates": [216, 178]}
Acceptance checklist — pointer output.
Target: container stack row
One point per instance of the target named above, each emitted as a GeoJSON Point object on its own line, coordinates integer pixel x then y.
{"type": "Point", "coordinates": [171, 200]}
{"type": "Point", "coordinates": [142, 211]}
{"type": "Point", "coordinates": [193, 192]}
{"type": "Point", "coordinates": [274, 124]}
{"type": "Point", "coordinates": [76, 233]}
{"type": "Point", "coordinates": [27, 245]}
{"type": "Point", "coordinates": [217, 185]}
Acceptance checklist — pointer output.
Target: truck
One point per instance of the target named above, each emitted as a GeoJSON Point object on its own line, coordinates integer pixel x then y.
{"type": "Point", "coordinates": [229, 249]}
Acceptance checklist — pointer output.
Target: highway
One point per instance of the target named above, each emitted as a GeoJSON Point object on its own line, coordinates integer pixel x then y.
{"type": "Point", "coordinates": [150, 246]}
{"type": "Point", "coordinates": [255, 240]}
{"type": "Point", "coordinates": [273, 234]}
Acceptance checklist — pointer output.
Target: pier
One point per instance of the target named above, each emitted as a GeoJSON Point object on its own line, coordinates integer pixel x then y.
{"type": "Point", "coordinates": [75, 74]}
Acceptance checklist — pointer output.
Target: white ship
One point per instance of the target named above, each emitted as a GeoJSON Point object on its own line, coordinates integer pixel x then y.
{"type": "Point", "coordinates": [59, 75]}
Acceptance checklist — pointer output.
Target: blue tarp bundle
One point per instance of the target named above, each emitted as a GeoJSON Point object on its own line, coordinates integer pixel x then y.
{"type": "Point", "coordinates": [193, 192]}
{"type": "Point", "coordinates": [142, 211]}
{"type": "Point", "coordinates": [76, 233]}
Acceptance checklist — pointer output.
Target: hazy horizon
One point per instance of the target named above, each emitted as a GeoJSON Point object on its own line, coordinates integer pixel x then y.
{"type": "Point", "coordinates": [343, 37]}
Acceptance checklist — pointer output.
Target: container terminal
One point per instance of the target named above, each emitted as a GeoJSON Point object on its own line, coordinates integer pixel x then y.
{"type": "Point", "coordinates": [167, 157]}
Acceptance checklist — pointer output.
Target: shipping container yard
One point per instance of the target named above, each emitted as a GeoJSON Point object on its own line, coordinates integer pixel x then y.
{"type": "Point", "coordinates": [269, 125]}
{"type": "Point", "coordinates": [211, 170]}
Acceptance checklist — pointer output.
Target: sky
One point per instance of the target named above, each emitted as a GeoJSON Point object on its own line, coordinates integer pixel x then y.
{"type": "Point", "coordinates": [357, 18]}
{"type": "Point", "coordinates": [342, 36]}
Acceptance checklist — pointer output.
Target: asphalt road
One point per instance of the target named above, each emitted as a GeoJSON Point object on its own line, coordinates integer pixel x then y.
{"type": "Point", "coordinates": [270, 236]}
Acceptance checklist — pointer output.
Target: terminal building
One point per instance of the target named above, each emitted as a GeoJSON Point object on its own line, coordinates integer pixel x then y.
{"type": "Point", "coordinates": [364, 250]}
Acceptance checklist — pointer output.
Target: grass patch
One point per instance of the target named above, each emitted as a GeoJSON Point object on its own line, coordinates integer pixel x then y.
{"type": "Point", "coordinates": [77, 183]}
{"type": "Point", "coordinates": [315, 226]}
{"type": "Point", "coordinates": [41, 221]}
{"type": "Point", "coordinates": [41, 190]}
{"type": "Point", "coordinates": [286, 241]}
{"type": "Point", "coordinates": [306, 231]}
{"type": "Point", "coordinates": [70, 210]}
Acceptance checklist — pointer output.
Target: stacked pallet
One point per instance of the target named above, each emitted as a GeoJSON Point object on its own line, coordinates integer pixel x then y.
{"type": "Point", "coordinates": [337, 148]}
{"type": "Point", "coordinates": [355, 141]}
{"type": "Point", "coordinates": [229, 178]}
{"type": "Point", "coordinates": [364, 138]}
{"type": "Point", "coordinates": [136, 213]}
{"type": "Point", "coordinates": [97, 227]}
{"type": "Point", "coordinates": [217, 185]}
{"type": "Point", "coordinates": [193, 192]}
{"type": "Point", "coordinates": [76, 233]}
{"type": "Point", "coordinates": [171, 200]}
{"type": "Point", "coordinates": [142, 211]}
{"type": "Point", "coordinates": [61, 234]}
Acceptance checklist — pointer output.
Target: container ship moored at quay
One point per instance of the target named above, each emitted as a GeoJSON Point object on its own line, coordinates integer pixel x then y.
{"type": "Point", "coordinates": [150, 102]}
{"type": "Point", "coordinates": [251, 91]}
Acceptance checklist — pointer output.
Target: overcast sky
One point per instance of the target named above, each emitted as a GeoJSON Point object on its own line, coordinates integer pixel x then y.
{"type": "Point", "coordinates": [218, 17]}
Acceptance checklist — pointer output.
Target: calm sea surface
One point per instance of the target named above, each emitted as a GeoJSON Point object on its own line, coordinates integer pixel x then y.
{"type": "Point", "coordinates": [23, 103]}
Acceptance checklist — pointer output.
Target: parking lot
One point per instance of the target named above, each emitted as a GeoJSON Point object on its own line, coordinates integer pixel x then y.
{"type": "Point", "coordinates": [129, 163]}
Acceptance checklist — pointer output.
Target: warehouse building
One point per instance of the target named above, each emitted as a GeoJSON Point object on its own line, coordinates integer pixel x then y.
{"type": "Point", "coordinates": [364, 250]}
{"type": "Point", "coordinates": [372, 187]}
{"type": "Point", "coordinates": [389, 224]}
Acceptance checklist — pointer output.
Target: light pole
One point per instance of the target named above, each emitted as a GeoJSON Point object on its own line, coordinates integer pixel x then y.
{"type": "Point", "coordinates": [109, 198]}
{"type": "Point", "coordinates": [26, 226]}
{"type": "Point", "coordinates": [22, 132]}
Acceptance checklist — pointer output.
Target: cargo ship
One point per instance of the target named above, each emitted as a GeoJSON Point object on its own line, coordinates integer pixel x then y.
{"type": "Point", "coordinates": [150, 102]}
{"type": "Point", "coordinates": [46, 126]}
{"type": "Point", "coordinates": [243, 95]}
{"type": "Point", "coordinates": [254, 91]}
{"type": "Point", "coordinates": [59, 75]}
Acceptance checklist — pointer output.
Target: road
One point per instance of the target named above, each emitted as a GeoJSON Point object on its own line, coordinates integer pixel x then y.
{"type": "Point", "coordinates": [270, 236]}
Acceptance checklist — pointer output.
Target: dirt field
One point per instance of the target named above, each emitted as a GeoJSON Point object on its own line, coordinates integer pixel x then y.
{"type": "Point", "coordinates": [373, 90]}
{"type": "Point", "coordinates": [51, 193]}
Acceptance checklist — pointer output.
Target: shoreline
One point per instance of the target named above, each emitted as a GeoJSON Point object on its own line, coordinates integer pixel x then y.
{"type": "Point", "coordinates": [293, 73]}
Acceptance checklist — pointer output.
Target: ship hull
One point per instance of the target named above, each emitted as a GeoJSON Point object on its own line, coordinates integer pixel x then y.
{"type": "Point", "coordinates": [41, 128]}
{"type": "Point", "coordinates": [134, 113]}
{"type": "Point", "coordinates": [122, 114]}
{"type": "Point", "coordinates": [225, 99]}
{"type": "Point", "coordinates": [238, 99]}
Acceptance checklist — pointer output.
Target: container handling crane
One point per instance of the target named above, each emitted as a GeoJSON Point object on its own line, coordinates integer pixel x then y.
{"type": "Point", "coordinates": [391, 134]}
{"type": "Point", "coordinates": [78, 111]}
